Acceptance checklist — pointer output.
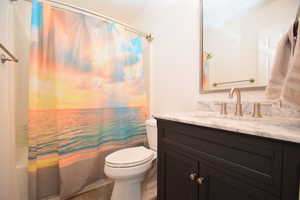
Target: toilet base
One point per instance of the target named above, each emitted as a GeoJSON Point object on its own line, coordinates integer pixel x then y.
{"type": "Point", "coordinates": [128, 189]}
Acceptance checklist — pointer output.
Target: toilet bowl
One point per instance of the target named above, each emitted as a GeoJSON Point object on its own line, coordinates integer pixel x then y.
{"type": "Point", "coordinates": [129, 166]}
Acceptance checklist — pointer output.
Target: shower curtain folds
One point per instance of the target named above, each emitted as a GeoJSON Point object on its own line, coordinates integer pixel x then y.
{"type": "Point", "coordinates": [87, 98]}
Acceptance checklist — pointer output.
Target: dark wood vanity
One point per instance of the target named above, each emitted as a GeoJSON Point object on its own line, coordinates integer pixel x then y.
{"type": "Point", "coordinates": [200, 163]}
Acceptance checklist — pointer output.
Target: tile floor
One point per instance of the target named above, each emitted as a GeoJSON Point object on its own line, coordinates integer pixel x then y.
{"type": "Point", "coordinates": [102, 193]}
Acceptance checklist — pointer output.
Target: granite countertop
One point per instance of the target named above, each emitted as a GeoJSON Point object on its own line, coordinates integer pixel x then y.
{"type": "Point", "coordinates": [285, 129]}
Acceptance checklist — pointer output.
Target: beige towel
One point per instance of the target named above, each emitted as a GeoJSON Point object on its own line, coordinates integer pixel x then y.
{"type": "Point", "coordinates": [284, 83]}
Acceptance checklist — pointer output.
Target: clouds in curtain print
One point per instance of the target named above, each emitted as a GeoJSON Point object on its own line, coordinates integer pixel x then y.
{"type": "Point", "coordinates": [83, 62]}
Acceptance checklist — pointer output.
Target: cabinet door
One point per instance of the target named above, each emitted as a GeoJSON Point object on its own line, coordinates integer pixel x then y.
{"type": "Point", "coordinates": [174, 174]}
{"type": "Point", "coordinates": [218, 185]}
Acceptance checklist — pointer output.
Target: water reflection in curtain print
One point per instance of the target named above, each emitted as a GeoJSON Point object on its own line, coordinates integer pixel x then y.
{"type": "Point", "coordinates": [67, 131]}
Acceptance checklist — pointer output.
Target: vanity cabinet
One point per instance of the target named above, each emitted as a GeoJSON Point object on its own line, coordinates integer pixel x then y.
{"type": "Point", "coordinates": [200, 163]}
{"type": "Point", "coordinates": [178, 170]}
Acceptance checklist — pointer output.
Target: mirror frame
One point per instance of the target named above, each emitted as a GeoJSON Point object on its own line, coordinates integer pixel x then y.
{"type": "Point", "coordinates": [207, 91]}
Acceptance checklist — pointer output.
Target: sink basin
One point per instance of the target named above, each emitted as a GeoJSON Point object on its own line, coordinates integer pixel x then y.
{"type": "Point", "coordinates": [273, 121]}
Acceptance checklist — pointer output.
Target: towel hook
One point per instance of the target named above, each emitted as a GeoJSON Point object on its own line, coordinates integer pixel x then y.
{"type": "Point", "coordinates": [4, 58]}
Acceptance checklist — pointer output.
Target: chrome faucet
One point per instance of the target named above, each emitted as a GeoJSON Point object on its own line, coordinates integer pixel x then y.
{"type": "Point", "coordinates": [238, 106]}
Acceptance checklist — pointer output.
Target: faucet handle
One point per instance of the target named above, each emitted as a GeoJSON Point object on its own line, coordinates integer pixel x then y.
{"type": "Point", "coordinates": [256, 110]}
{"type": "Point", "coordinates": [275, 103]}
{"type": "Point", "coordinates": [238, 110]}
{"type": "Point", "coordinates": [223, 110]}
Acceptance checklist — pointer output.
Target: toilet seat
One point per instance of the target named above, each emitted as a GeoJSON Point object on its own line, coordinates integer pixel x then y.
{"type": "Point", "coordinates": [129, 157]}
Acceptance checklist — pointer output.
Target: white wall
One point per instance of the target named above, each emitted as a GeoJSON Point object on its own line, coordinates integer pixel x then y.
{"type": "Point", "coordinates": [123, 10]}
{"type": "Point", "coordinates": [7, 157]}
{"type": "Point", "coordinates": [175, 53]}
{"type": "Point", "coordinates": [22, 20]}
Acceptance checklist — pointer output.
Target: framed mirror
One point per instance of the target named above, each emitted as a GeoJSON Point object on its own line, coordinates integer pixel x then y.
{"type": "Point", "coordinates": [239, 40]}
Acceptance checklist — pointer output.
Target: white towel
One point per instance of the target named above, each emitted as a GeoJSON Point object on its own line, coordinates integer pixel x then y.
{"type": "Point", "coordinates": [284, 83]}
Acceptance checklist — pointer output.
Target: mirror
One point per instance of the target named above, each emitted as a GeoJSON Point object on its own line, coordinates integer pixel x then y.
{"type": "Point", "coordinates": [239, 41]}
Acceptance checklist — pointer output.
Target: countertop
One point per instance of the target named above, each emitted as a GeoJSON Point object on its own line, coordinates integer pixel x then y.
{"type": "Point", "coordinates": [285, 129]}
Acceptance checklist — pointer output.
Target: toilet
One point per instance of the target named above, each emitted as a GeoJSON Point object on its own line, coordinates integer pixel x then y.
{"type": "Point", "coordinates": [129, 166]}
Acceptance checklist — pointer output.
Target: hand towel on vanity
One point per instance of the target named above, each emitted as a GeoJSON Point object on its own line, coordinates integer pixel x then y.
{"type": "Point", "coordinates": [284, 83]}
{"type": "Point", "coordinates": [280, 67]}
{"type": "Point", "coordinates": [291, 86]}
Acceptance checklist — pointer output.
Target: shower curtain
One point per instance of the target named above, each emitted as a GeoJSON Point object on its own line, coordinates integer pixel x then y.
{"type": "Point", "coordinates": [87, 98]}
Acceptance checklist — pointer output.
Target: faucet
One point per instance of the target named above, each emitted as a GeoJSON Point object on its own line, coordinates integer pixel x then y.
{"type": "Point", "coordinates": [238, 106]}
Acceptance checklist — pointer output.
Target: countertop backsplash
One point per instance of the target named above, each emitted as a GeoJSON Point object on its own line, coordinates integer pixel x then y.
{"type": "Point", "coordinates": [268, 108]}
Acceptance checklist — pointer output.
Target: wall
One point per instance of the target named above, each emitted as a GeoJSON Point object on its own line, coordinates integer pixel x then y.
{"type": "Point", "coordinates": [123, 10]}
{"type": "Point", "coordinates": [7, 156]}
{"type": "Point", "coordinates": [175, 53]}
{"type": "Point", "coordinates": [22, 19]}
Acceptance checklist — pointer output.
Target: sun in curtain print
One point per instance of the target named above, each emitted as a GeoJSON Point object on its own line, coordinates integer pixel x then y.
{"type": "Point", "coordinates": [87, 98]}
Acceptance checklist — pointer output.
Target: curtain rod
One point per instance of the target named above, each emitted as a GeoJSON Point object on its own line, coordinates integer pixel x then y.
{"type": "Point", "coordinates": [148, 36]}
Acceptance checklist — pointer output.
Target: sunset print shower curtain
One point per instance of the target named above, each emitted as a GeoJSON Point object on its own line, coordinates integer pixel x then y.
{"type": "Point", "coordinates": [87, 98]}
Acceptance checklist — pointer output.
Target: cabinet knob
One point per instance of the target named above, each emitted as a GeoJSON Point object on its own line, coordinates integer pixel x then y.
{"type": "Point", "coordinates": [200, 180]}
{"type": "Point", "coordinates": [193, 176]}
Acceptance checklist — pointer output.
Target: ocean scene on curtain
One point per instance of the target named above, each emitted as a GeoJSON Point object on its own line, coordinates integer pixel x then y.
{"type": "Point", "coordinates": [87, 98]}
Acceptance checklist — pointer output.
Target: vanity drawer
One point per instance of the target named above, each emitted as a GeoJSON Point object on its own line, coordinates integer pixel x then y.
{"type": "Point", "coordinates": [256, 161]}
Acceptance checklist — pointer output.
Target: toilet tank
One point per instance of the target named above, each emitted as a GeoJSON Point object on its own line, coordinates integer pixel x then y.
{"type": "Point", "coordinates": [151, 128]}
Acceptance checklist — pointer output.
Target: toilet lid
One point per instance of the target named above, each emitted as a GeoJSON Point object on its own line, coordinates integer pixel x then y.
{"type": "Point", "coordinates": [129, 157]}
